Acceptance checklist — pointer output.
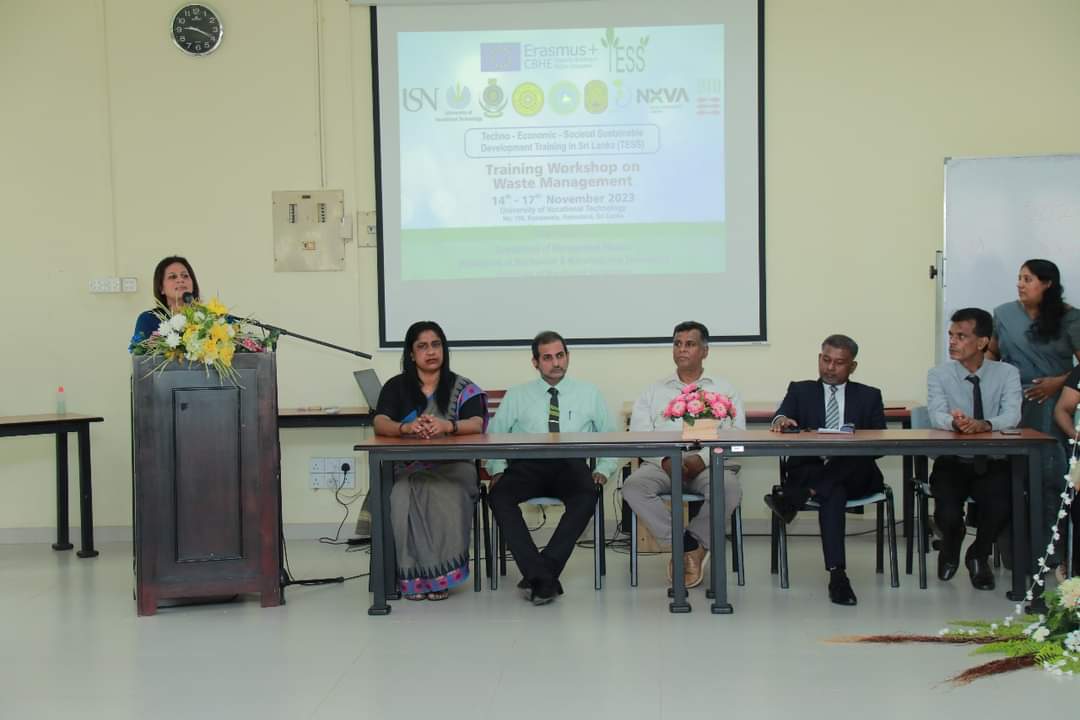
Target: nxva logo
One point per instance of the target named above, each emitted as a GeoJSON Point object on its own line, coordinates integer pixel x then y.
{"type": "Point", "coordinates": [624, 58]}
{"type": "Point", "coordinates": [414, 99]}
{"type": "Point", "coordinates": [662, 96]}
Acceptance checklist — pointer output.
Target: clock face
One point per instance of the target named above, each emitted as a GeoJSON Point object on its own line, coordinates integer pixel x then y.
{"type": "Point", "coordinates": [196, 30]}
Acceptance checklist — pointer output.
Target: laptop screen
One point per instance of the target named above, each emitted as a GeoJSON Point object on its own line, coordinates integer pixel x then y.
{"type": "Point", "coordinates": [370, 386]}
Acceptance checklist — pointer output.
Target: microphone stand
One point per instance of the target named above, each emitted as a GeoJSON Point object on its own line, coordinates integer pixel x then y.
{"type": "Point", "coordinates": [284, 578]}
{"type": "Point", "coordinates": [290, 333]}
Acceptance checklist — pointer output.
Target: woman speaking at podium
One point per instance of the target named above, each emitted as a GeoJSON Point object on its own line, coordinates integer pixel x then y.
{"type": "Point", "coordinates": [431, 503]}
{"type": "Point", "coordinates": [173, 278]}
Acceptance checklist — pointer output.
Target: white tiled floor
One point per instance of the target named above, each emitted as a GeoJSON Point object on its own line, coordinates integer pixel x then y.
{"type": "Point", "coordinates": [71, 645]}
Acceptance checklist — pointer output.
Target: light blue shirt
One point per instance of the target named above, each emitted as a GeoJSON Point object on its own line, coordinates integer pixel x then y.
{"type": "Point", "coordinates": [999, 386]}
{"type": "Point", "coordinates": [524, 409]}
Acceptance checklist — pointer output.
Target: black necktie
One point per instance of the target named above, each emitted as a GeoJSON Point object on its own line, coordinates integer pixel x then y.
{"type": "Point", "coordinates": [977, 413]}
{"type": "Point", "coordinates": [553, 410]}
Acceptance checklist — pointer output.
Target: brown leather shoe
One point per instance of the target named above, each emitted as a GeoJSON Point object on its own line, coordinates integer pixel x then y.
{"type": "Point", "coordinates": [694, 566]}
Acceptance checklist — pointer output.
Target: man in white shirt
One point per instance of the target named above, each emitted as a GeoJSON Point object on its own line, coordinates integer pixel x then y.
{"type": "Point", "coordinates": [642, 489]}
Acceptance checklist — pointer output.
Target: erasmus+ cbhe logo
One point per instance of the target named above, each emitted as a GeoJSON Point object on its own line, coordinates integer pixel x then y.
{"type": "Point", "coordinates": [624, 58]}
{"type": "Point", "coordinates": [500, 57]}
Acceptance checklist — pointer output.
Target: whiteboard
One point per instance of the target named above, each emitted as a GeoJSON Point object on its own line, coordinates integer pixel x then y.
{"type": "Point", "coordinates": [999, 212]}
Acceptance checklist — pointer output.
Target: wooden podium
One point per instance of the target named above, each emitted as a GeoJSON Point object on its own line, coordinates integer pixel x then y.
{"type": "Point", "coordinates": [207, 487]}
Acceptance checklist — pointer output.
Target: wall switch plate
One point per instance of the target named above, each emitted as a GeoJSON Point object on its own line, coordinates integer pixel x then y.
{"type": "Point", "coordinates": [105, 285]}
{"type": "Point", "coordinates": [129, 285]}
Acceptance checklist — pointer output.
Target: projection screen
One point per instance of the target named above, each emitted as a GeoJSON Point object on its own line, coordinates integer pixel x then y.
{"type": "Point", "coordinates": [590, 167]}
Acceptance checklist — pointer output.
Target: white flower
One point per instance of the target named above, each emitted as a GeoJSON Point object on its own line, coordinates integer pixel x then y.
{"type": "Point", "coordinates": [1041, 634]}
{"type": "Point", "coordinates": [178, 322]}
{"type": "Point", "coordinates": [199, 316]}
{"type": "Point", "coordinates": [172, 339]}
{"type": "Point", "coordinates": [1072, 641]}
{"type": "Point", "coordinates": [164, 328]}
{"type": "Point", "coordinates": [993, 626]}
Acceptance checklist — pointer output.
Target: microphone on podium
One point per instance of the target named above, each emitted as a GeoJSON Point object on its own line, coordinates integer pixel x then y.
{"type": "Point", "coordinates": [188, 298]}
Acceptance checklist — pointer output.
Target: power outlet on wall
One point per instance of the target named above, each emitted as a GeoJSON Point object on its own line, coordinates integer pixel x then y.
{"type": "Point", "coordinates": [332, 473]}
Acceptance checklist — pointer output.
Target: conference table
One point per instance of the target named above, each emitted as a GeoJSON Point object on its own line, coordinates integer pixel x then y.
{"type": "Point", "coordinates": [325, 417]}
{"type": "Point", "coordinates": [60, 425]}
{"type": "Point", "coordinates": [383, 451]}
{"type": "Point", "coordinates": [1023, 450]}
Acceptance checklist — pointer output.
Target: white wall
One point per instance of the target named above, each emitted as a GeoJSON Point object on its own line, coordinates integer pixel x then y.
{"type": "Point", "coordinates": [117, 150]}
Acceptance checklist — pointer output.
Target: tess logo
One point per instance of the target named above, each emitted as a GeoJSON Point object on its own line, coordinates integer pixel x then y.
{"type": "Point", "coordinates": [624, 58]}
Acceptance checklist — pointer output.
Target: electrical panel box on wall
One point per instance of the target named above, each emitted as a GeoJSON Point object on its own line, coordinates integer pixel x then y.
{"type": "Point", "coordinates": [307, 230]}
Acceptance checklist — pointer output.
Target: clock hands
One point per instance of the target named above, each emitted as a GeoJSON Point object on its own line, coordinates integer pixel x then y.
{"type": "Point", "coordinates": [198, 30]}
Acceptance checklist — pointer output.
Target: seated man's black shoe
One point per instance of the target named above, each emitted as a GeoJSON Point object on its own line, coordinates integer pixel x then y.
{"type": "Point", "coordinates": [946, 569]}
{"type": "Point", "coordinates": [524, 584]}
{"type": "Point", "coordinates": [982, 576]}
{"type": "Point", "coordinates": [948, 561]}
{"type": "Point", "coordinates": [781, 506]}
{"type": "Point", "coordinates": [544, 591]}
{"type": "Point", "coordinates": [840, 591]}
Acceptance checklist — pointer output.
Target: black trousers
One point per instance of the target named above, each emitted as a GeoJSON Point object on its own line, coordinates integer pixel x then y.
{"type": "Point", "coordinates": [834, 483]}
{"type": "Point", "coordinates": [953, 481]}
{"type": "Point", "coordinates": [568, 480]}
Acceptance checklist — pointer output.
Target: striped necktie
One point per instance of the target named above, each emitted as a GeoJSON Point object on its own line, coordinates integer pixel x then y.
{"type": "Point", "coordinates": [553, 410]}
{"type": "Point", "coordinates": [832, 409]}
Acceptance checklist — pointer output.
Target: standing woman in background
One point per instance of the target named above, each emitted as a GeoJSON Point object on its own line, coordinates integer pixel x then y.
{"type": "Point", "coordinates": [173, 277]}
{"type": "Point", "coordinates": [431, 503]}
{"type": "Point", "coordinates": [1040, 335]}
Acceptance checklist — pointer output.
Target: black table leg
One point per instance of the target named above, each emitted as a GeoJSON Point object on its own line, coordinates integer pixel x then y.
{"type": "Point", "coordinates": [1020, 519]}
{"type": "Point", "coordinates": [376, 578]}
{"type": "Point", "coordinates": [717, 518]}
{"type": "Point", "coordinates": [86, 495]}
{"type": "Point", "coordinates": [393, 592]}
{"type": "Point", "coordinates": [679, 602]}
{"type": "Point", "coordinates": [909, 490]}
{"type": "Point", "coordinates": [63, 540]}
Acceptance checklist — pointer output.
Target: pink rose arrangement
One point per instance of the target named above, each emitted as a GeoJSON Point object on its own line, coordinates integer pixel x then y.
{"type": "Point", "coordinates": [693, 403]}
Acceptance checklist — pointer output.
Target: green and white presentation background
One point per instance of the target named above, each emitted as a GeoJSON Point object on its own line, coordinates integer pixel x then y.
{"type": "Point", "coordinates": [679, 232]}
{"type": "Point", "coordinates": [514, 185]}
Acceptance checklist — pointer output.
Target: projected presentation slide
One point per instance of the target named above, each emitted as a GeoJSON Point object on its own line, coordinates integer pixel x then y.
{"type": "Point", "coordinates": [562, 152]}
{"type": "Point", "coordinates": [592, 167]}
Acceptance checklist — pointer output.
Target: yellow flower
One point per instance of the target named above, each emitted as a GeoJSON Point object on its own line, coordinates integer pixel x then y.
{"type": "Point", "coordinates": [219, 332]}
{"type": "Point", "coordinates": [216, 307]}
{"type": "Point", "coordinates": [189, 333]}
{"type": "Point", "coordinates": [227, 354]}
{"type": "Point", "coordinates": [210, 352]}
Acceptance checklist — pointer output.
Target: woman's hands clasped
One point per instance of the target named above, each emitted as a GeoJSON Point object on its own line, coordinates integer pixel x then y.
{"type": "Point", "coordinates": [427, 427]}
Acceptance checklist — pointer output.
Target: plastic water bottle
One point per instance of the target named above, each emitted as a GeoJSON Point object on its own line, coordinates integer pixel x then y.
{"type": "Point", "coordinates": [61, 401]}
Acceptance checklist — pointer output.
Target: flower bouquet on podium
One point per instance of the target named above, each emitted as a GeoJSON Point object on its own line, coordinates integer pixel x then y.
{"type": "Point", "coordinates": [203, 333]}
{"type": "Point", "coordinates": [703, 413]}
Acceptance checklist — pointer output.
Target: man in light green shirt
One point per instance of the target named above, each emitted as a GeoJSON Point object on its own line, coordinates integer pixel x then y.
{"type": "Point", "coordinates": [551, 404]}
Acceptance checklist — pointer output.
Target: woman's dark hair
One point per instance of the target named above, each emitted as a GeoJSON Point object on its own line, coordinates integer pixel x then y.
{"type": "Point", "coordinates": [159, 277]}
{"type": "Point", "coordinates": [1047, 325]}
{"type": "Point", "coordinates": [412, 378]}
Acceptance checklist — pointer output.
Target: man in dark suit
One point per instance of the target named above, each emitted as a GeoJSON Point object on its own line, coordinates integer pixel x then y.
{"type": "Point", "coordinates": [831, 401]}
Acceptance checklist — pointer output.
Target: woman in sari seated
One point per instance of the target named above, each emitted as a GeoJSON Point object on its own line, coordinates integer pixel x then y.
{"type": "Point", "coordinates": [1040, 335]}
{"type": "Point", "coordinates": [431, 503]}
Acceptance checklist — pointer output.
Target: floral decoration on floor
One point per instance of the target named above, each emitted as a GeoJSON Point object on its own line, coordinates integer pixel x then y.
{"type": "Point", "coordinates": [1050, 641]}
